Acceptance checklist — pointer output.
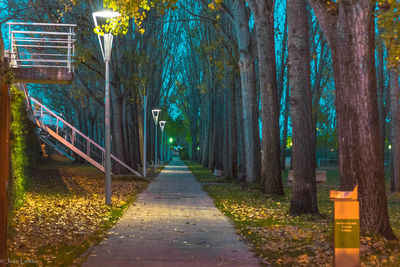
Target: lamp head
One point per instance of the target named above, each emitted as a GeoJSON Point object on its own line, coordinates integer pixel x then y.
{"type": "Point", "coordinates": [155, 113]}
{"type": "Point", "coordinates": [162, 125]}
{"type": "Point", "coordinates": [105, 14]}
{"type": "Point", "coordinates": [107, 37]}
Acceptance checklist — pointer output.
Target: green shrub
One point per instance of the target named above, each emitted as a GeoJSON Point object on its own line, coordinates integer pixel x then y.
{"type": "Point", "coordinates": [25, 148]}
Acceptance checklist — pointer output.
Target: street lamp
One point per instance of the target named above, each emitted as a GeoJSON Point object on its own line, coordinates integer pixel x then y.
{"type": "Point", "coordinates": [155, 113]}
{"type": "Point", "coordinates": [162, 125]}
{"type": "Point", "coordinates": [170, 147]}
{"type": "Point", "coordinates": [144, 133]}
{"type": "Point", "coordinates": [106, 46]}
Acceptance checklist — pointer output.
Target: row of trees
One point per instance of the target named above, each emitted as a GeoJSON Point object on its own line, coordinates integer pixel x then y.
{"type": "Point", "coordinates": [245, 75]}
{"type": "Point", "coordinates": [241, 81]}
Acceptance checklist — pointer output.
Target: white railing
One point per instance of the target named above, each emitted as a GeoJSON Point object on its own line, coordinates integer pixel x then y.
{"type": "Point", "coordinates": [42, 45]}
{"type": "Point", "coordinates": [72, 137]}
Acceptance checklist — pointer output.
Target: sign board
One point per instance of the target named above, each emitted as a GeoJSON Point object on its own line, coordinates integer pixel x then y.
{"type": "Point", "coordinates": [346, 228]}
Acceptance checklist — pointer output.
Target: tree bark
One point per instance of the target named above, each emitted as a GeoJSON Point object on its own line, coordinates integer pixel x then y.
{"type": "Point", "coordinates": [381, 92]}
{"type": "Point", "coordinates": [249, 93]}
{"type": "Point", "coordinates": [304, 198]}
{"type": "Point", "coordinates": [271, 177]}
{"type": "Point", "coordinates": [117, 139]}
{"type": "Point", "coordinates": [233, 135]}
{"type": "Point", "coordinates": [394, 131]}
{"type": "Point", "coordinates": [285, 126]}
{"type": "Point", "coordinates": [349, 29]}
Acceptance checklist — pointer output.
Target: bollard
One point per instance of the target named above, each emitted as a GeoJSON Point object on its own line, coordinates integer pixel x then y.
{"type": "Point", "coordinates": [346, 228]}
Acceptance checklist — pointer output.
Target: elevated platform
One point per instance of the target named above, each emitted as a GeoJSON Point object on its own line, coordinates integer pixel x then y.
{"type": "Point", "coordinates": [41, 52]}
{"type": "Point", "coordinates": [42, 75]}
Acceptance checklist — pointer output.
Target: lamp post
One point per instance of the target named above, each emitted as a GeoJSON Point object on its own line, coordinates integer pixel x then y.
{"type": "Point", "coordinates": [144, 134]}
{"type": "Point", "coordinates": [170, 147]}
{"type": "Point", "coordinates": [106, 47]}
{"type": "Point", "coordinates": [162, 125]}
{"type": "Point", "coordinates": [155, 113]}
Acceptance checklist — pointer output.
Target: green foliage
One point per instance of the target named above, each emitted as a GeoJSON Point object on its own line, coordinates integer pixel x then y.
{"type": "Point", "coordinates": [24, 147]}
{"type": "Point", "coordinates": [178, 129]}
{"type": "Point", "coordinates": [389, 23]}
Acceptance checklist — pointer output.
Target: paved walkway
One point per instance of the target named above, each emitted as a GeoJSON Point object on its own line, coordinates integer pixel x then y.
{"type": "Point", "coordinates": [173, 223]}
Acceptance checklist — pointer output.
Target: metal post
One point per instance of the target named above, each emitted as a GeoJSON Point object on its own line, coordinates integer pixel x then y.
{"type": "Point", "coordinates": [162, 143]}
{"type": "Point", "coordinates": [162, 125]}
{"type": "Point", "coordinates": [107, 138]}
{"type": "Point", "coordinates": [165, 147]}
{"type": "Point", "coordinates": [144, 135]}
{"type": "Point", "coordinates": [155, 155]}
{"type": "Point", "coordinates": [69, 50]}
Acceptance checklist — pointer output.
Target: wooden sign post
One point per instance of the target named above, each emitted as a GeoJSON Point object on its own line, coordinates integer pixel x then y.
{"type": "Point", "coordinates": [346, 228]}
{"type": "Point", "coordinates": [4, 167]}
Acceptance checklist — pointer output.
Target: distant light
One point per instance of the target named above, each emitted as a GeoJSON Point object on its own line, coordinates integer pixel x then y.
{"type": "Point", "coordinates": [390, 147]}
{"type": "Point", "coordinates": [198, 148]}
{"type": "Point", "coordinates": [332, 149]}
{"type": "Point", "coordinates": [289, 144]}
{"type": "Point", "coordinates": [171, 140]}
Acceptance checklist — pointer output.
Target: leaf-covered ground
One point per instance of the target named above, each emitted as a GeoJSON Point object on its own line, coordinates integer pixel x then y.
{"type": "Point", "coordinates": [64, 212]}
{"type": "Point", "coordinates": [284, 240]}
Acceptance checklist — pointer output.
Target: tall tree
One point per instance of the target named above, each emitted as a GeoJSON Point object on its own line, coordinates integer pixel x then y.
{"type": "Point", "coordinates": [304, 188]}
{"type": "Point", "coordinates": [271, 177]}
{"type": "Point", "coordinates": [349, 29]}
{"type": "Point", "coordinates": [394, 131]}
{"type": "Point", "coordinates": [249, 95]}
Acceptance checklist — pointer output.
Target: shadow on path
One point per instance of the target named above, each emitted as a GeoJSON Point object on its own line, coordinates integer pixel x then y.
{"type": "Point", "coordinates": [173, 223]}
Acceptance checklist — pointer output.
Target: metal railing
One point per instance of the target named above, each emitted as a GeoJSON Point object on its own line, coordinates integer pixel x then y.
{"type": "Point", "coordinates": [41, 45]}
{"type": "Point", "coordinates": [72, 137]}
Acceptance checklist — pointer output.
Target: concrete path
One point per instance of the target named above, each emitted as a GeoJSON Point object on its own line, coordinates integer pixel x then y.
{"type": "Point", "coordinates": [173, 223]}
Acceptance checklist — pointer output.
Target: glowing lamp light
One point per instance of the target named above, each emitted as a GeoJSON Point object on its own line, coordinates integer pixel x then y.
{"type": "Point", "coordinates": [105, 14]}
{"type": "Point", "coordinates": [171, 140]}
{"type": "Point", "coordinates": [390, 146]}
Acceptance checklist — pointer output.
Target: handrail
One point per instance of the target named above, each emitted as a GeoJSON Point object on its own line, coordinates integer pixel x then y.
{"type": "Point", "coordinates": [66, 123]}
{"type": "Point", "coordinates": [35, 45]}
{"type": "Point", "coordinates": [89, 142]}
{"type": "Point", "coordinates": [40, 24]}
{"type": "Point", "coordinates": [41, 32]}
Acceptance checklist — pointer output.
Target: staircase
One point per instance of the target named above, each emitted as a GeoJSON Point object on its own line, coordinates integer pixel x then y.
{"type": "Point", "coordinates": [44, 54]}
{"type": "Point", "coordinates": [68, 138]}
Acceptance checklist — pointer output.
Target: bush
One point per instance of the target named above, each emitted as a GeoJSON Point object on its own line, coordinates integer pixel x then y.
{"type": "Point", "coordinates": [25, 147]}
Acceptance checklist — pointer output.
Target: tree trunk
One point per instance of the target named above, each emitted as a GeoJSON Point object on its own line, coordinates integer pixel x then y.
{"type": "Point", "coordinates": [304, 198]}
{"type": "Point", "coordinates": [394, 131]}
{"type": "Point", "coordinates": [381, 92]}
{"type": "Point", "coordinates": [350, 34]}
{"type": "Point", "coordinates": [118, 142]}
{"type": "Point", "coordinates": [249, 94]}
{"type": "Point", "coordinates": [285, 126]}
{"type": "Point", "coordinates": [241, 155]}
{"type": "Point", "coordinates": [233, 135]}
{"type": "Point", "coordinates": [271, 178]}
{"type": "Point", "coordinates": [225, 136]}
